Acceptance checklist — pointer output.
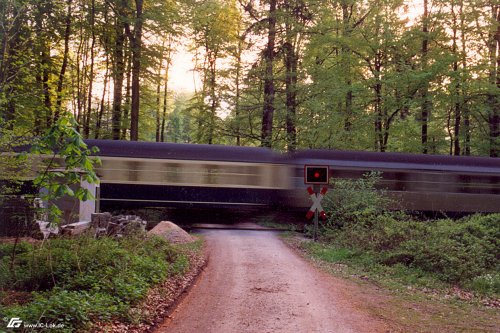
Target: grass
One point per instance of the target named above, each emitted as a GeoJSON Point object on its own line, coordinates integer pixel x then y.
{"type": "Point", "coordinates": [397, 276]}
{"type": "Point", "coordinates": [410, 299]}
{"type": "Point", "coordinates": [75, 282]}
{"type": "Point", "coordinates": [271, 221]}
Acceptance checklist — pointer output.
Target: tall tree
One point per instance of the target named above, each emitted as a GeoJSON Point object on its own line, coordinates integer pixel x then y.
{"type": "Point", "coordinates": [43, 52]}
{"type": "Point", "coordinates": [135, 38]}
{"type": "Point", "coordinates": [426, 101]}
{"type": "Point", "coordinates": [493, 99]}
{"type": "Point", "coordinates": [268, 58]}
{"type": "Point", "coordinates": [118, 69]}
{"type": "Point", "coordinates": [458, 103]}
{"type": "Point", "coordinates": [214, 28]}
{"type": "Point", "coordinates": [296, 16]}
{"type": "Point", "coordinates": [165, 90]}
{"type": "Point", "coordinates": [62, 73]}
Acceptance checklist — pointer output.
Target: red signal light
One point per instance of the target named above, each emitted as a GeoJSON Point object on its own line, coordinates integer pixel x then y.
{"type": "Point", "coordinates": [316, 174]}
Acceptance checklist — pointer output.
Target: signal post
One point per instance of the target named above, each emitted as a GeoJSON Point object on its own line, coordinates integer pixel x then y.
{"type": "Point", "coordinates": [316, 175]}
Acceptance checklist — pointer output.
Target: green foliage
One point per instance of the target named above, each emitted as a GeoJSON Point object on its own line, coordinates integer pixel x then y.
{"type": "Point", "coordinates": [75, 281]}
{"type": "Point", "coordinates": [69, 309]}
{"type": "Point", "coordinates": [464, 251]}
{"type": "Point", "coordinates": [66, 161]}
{"type": "Point", "coordinates": [359, 71]}
{"type": "Point", "coordinates": [354, 199]}
{"type": "Point", "coordinates": [486, 284]}
{"type": "Point", "coordinates": [12, 168]}
{"type": "Point", "coordinates": [458, 251]}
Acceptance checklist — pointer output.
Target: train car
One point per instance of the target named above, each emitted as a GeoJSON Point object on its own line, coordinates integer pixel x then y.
{"type": "Point", "coordinates": [146, 174]}
{"type": "Point", "coordinates": [417, 182]}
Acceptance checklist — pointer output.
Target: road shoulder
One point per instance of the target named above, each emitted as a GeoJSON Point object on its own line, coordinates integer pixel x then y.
{"type": "Point", "coordinates": [408, 310]}
{"type": "Point", "coordinates": [162, 299]}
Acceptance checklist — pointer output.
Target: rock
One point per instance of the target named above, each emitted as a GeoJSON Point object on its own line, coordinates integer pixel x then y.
{"type": "Point", "coordinates": [171, 232]}
{"type": "Point", "coordinates": [100, 220]}
{"type": "Point", "coordinates": [103, 224]}
{"type": "Point", "coordinates": [134, 226]}
{"type": "Point", "coordinates": [99, 232]}
{"type": "Point", "coordinates": [114, 228]}
{"type": "Point", "coordinates": [46, 229]}
{"type": "Point", "coordinates": [74, 229]}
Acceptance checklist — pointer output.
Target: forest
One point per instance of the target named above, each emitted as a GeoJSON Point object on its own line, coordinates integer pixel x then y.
{"type": "Point", "coordinates": [419, 76]}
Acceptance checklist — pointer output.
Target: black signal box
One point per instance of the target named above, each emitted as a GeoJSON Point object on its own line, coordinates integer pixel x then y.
{"type": "Point", "coordinates": [316, 174]}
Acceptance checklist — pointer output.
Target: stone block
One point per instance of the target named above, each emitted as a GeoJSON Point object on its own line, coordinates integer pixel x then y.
{"type": "Point", "coordinates": [77, 228]}
{"type": "Point", "coordinates": [100, 220]}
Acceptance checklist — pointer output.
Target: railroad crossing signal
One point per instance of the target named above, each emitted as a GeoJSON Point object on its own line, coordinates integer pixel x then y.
{"type": "Point", "coordinates": [316, 207]}
{"type": "Point", "coordinates": [316, 174]}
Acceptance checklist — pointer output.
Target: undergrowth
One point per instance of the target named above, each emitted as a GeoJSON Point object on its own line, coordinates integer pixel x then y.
{"type": "Point", "coordinates": [361, 231]}
{"type": "Point", "coordinates": [76, 281]}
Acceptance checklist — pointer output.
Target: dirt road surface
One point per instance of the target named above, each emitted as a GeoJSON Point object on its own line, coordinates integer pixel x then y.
{"type": "Point", "coordinates": [255, 283]}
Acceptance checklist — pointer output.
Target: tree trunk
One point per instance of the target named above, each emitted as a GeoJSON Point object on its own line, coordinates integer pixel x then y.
{"type": "Point", "coordinates": [378, 117]}
{"type": "Point", "coordinates": [268, 108]}
{"type": "Point", "coordinates": [237, 96]}
{"type": "Point", "coordinates": [118, 72]}
{"type": "Point", "coordinates": [126, 109]}
{"type": "Point", "coordinates": [136, 45]}
{"type": "Point", "coordinates": [493, 99]}
{"type": "Point", "coordinates": [86, 126]}
{"type": "Point", "coordinates": [43, 75]}
{"type": "Point", "coordinates": [426, 103]}
{"type": "Point", "coordinates": [449, 130]}
{"type": "Point", "coordinates": [60, 82]}
{"type": "Point", "coordinates": [465, 107]}
{"type": "Point", "coordinates": [291, 94]}
{"type": "Point", "coordinates": [346, 60]}
{"type": "Point", "coordinates": [158, 93]}
{"type": "Point", "coordinates": [213, 95]}
{"type": "Point", "coordinates": [101, 107]}
{"type": "Point", "coordinates": [79, 79]}
{"type": "Point", "coordinates": [45, 86]}
{"type": "Point", "coordinates": [456, 88]}
{"type": "Point", "coordinates": [165, 92]}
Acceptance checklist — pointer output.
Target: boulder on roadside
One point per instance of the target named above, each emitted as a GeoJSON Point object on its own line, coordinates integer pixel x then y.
{"type": "Point", "coordinates": [171, 232]}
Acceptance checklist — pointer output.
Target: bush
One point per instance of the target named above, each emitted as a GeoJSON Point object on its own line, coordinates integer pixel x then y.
{"type": "Point", "coordinates": [354, 199]}
{"type": "Point", "coordinates": [457, 251]}
{"type": "Point", "coordinates": [77, 280]}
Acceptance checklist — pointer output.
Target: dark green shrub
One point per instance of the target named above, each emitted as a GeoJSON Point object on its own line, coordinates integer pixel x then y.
{"type": "Point", "coordinates": [456, 250]}
{"type": "Point", "coordinates": [353, 199]}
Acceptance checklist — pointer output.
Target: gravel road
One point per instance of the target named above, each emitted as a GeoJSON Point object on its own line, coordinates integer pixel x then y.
{"type": "Point", "coordinates": [255, 283]}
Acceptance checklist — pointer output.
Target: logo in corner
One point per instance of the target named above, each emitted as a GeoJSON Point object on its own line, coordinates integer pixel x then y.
{"type": "Point", "coordinates": [14, 323]}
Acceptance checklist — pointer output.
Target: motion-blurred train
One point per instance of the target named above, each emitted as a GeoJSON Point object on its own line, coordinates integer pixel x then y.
{"type": "Point", "coordinates": [145, 174]}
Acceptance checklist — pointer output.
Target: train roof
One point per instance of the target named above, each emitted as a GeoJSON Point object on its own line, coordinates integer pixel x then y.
{"type": "Point", "coordinates": [379, 160]}
{"type": "Point", "coordinates": [346, 158]}
{"type": "Point", "coordinates": [182, 151]}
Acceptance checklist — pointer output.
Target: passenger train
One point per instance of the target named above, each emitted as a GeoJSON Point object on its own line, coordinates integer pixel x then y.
{"type": "Point", "coordinates": [147, 174]}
